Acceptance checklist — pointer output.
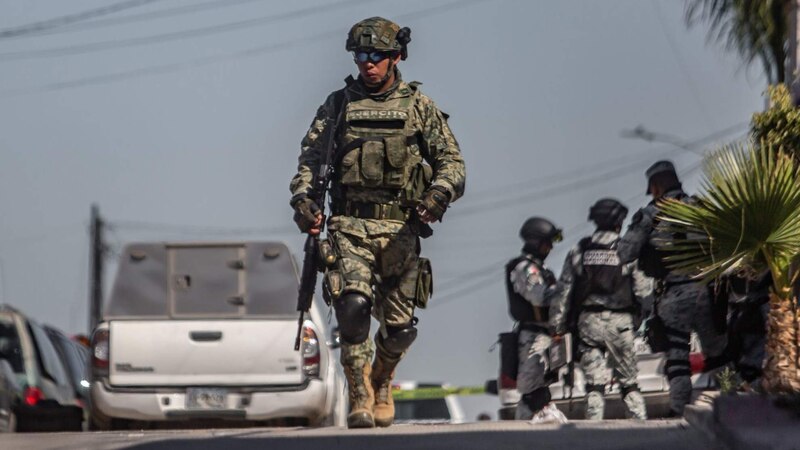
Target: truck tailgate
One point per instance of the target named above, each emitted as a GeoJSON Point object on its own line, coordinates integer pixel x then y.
{"type": "Point", "coordinates": [203, 353]}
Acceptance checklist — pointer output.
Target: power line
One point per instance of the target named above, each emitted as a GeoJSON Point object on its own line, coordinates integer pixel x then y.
{"type": "Point", "coordinates": [153, 15]}
{"type": "Point", "coordinates": [250, 53]}
{"type": "Point", "coordinates": [72, 18]}
{"type": "Point", "coordinates": [681, 64]}
{"type": "Point", "coordinates": [185, 34]}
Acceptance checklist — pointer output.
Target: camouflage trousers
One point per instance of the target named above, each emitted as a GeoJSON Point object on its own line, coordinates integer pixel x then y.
{"type": "Point", "coordinates": [683, 308]}
{"type": "Point", "coordinates": [384, 267]}
{"type": "Point", "coordinates": [533, 366]}
{"type": "Point", "coordinates": [606, 347]}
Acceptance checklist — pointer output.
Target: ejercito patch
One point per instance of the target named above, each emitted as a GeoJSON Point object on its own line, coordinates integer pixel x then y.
{"type": "Point", "coordinates": [370, 114]}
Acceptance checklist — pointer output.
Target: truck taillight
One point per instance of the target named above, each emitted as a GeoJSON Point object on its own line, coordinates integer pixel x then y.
{"type": "Point", "coordinates": [506, 382]}
{"type": "Point", "coordinates": [100, 349]}
{"type": "Point", "coordinates": [310, 351]}
{"type": "Point", "coordinates": [696, 363]}
{"type": "Point", "coordinates": [32, 395]}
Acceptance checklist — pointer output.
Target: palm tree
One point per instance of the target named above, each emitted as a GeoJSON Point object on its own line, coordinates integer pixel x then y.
{"type": "Point", "coordinates": [747, 220]}
{"type": "Point", "coordinates": [756, 29]}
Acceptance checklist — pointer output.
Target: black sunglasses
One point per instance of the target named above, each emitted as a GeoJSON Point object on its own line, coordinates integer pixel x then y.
{"type": "Point", "coordinates": [374, 57]}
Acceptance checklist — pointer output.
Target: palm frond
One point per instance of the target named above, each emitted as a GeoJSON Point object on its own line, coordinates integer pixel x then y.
{"type": "Point", "coordinates": [746, 218]}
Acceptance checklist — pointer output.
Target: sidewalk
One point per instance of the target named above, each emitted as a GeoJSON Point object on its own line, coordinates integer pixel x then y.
{"type": "Point", "coordinates": [745, 423]}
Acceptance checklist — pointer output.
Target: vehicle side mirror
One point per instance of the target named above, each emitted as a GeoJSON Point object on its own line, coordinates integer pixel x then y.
{"type": "Point", "coordinates": [336, 338]}
{"type": "Point", "coordinates": [491, 387]}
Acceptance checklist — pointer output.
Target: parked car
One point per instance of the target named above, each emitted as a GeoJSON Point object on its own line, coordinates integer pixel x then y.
{"type": "Point", "coordinates": [75, 357]}
{"type": "Point", "coordinates": [416, 402]}
{"type": "Point", "coordinates": [48, 401]}
{"type": "Point", "coordinates": [652, 382]}
{"type": "Point", "coordinates": [205, 332]}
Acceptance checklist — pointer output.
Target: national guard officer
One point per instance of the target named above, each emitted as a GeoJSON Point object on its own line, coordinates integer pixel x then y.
{"type": "Point", "coordinates": [681, 303]}
{"type": "Point", "coordinates": [601, 296]}
{"type": "Point", "coordinates": [397, 167]}
{"type": "Point", "coordinates": [528, 284]}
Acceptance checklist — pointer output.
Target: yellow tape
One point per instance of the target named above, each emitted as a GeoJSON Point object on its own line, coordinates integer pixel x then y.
{"type": "Point", "coordinates": [435, 392]}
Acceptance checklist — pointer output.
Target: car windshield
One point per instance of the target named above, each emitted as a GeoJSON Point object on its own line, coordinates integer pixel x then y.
{"type": "Point", "coordinates": [421, 409]}
{"type": "Point", "coordinates": [10, 348]}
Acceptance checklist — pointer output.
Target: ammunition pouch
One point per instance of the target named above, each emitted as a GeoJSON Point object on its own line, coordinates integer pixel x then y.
{"type": "Point", "coordinates": [419, 289]}
{"type": "Point", "coordinates": [332, 286]}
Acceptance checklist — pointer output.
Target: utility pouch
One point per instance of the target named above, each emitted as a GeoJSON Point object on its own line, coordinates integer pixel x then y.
{"type": "Point", "coordinates": [332, 285]}
{"type": "Point", "coordinates": [327, 254]}
{"type": "Point", "coordinates": [351, 172]}
{"type": "Point", "coordinates": [509, 355]}
{"type": "Point", "coordinates": [424, 283]}
{"type": "Point", "coordinates": [655, 333]}
{"type": "Point", "coordinates": [372, 155]}
{"type": "Point", "coordinates": [397, 157]}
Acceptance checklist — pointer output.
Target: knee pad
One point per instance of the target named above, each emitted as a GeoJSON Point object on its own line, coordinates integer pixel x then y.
{"type": "Point", "coordinates": [599, 388]}
{"type": "Point", "coordinates": [537, 399]}
{"type": "Point", "coordinates": [625, 390]}
{"type": "Point", "coordinates": [352, 314]}
{"type": "Point", "coordinates": [398, 338]}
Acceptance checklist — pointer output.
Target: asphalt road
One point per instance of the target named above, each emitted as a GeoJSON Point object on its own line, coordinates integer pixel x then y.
{"type": "Point", "coordinates": [611, 435]}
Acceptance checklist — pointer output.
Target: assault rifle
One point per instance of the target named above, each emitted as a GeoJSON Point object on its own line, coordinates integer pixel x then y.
{"type": "Point", "coordinates": [317, 193]}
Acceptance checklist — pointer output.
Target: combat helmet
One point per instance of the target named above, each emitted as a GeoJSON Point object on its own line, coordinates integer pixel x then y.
{"type": "Point", "coordinates": [377, 33]}
{"type": "Point", "coordinates": [537, 228]}
{"type": "Point", "coordinates": [608, 213]}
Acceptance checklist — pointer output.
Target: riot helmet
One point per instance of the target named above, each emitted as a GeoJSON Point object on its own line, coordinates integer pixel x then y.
{"type": "Point", "coordinates": [379, 34]}
{"type": "Point", "coordinates": [537, 229]}
{"type": "Point", "coordinates": [662, 172]}
{"type": "Point", "coordinates": [608, 214]}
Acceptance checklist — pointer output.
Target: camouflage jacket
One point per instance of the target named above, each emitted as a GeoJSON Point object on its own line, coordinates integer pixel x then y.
{"type": "Point", "coordinates": [573, 268]}
{"type": "Point", "coordinates": [442, 152]}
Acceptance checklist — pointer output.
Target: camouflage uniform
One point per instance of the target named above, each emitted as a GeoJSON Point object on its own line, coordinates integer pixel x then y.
{"type": "Point", "coordinates": [390, 147]}
{"type": "Point", "coordinates": [531, 281]}
{"type": "Point", "coordinates": [605, 331]}
{"type": "Point", "coordinates": [683, 305]}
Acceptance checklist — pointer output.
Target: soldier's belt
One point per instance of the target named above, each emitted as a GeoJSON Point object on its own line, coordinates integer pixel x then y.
{"type": "Point", "coordinates": [600, 308]}
{"type": "Point", "coordinates": [381, 211]}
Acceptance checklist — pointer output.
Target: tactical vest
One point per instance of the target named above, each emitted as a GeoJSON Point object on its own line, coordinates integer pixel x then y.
{"type": "Point", "coordinates": [651, 259]}
{"type": "Point", "coordinates": [379, 147]}
{"type": "Point", "coordinates": [519, 308]}
{"type": "Point", "coordinates": [602, 273]}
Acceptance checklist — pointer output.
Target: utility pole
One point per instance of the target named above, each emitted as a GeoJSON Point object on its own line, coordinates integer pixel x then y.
{"type": "Point", "coordinates": [97, 252]}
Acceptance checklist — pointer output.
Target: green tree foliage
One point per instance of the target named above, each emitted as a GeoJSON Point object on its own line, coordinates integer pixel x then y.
{"type": "Point", "coordinates": [779, 126]}
{"type": "Point", "coordinates": [755, 29]}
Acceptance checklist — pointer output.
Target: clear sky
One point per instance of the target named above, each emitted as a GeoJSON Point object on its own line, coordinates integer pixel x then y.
{"type": "Point", "coordinates": [182, 120]}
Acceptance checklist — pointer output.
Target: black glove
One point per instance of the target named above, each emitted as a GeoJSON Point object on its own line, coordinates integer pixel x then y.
{"type": "Point", "coordinates": [305, 212]}
{"type": "Point", "coordinates": [435, 200]}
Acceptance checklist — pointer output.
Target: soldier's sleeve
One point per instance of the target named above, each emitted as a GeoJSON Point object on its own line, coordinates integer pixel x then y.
{"type": "Point", "coordinates": [311, 150]}
{"type": "Point", "coordinates": [559, 297]}
{"type": "Point", "coordinates": [528, 281]}
{"type": "Point", "coordinates": [642, 284]}
{"type": "Point", "coordinates": [441, 149]}
{"type": "Point", "coordinates": [630, 245]}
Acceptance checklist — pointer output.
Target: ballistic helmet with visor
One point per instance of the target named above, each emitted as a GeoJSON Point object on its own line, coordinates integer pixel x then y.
{"type": "Point", "coordinates": [608, 213]}
{"type": "Point", "coordinates": [538, 228]}
{"type": "Point", "coordinates": [657, 168]}
{"type": "Point", "coordinates": [378, 34]}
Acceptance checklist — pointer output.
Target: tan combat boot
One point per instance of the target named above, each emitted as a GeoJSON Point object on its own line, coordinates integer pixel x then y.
{"type": "Point", "coordinates": [362, 397]}
{"type": "Point", "coordinates": [382, 375]}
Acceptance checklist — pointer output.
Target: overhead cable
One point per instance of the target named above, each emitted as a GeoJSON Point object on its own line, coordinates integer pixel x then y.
{"type": "Point", "coordinates": [61, 21]}
{"type": "Point", "coordinates": [199, 62]}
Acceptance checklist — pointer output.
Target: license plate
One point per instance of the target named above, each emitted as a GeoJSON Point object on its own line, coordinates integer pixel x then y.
{"type": "Point", "coordinates": [206, 398]}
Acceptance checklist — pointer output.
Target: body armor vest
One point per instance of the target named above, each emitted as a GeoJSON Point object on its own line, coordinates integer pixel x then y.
{"type": "Point", "coordinates": [519, 308]}
{"type": "Point", "coordinates": [380, 151]}
{"type": "Point", "coordinates": [603, 276]}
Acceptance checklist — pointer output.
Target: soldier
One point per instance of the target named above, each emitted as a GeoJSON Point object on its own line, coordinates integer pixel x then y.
{"type": "Point", "coordinates": [527, 284]}
{"type": "Point", "coordinates": [682, 304]}
{"type": "Point", "coordinates": [601, 295]}
{"type": "Point", "coordinates": [397, 168]}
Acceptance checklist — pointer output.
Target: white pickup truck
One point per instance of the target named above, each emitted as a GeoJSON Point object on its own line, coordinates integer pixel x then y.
{"type": "Point", "coordinates": [198, 333]}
